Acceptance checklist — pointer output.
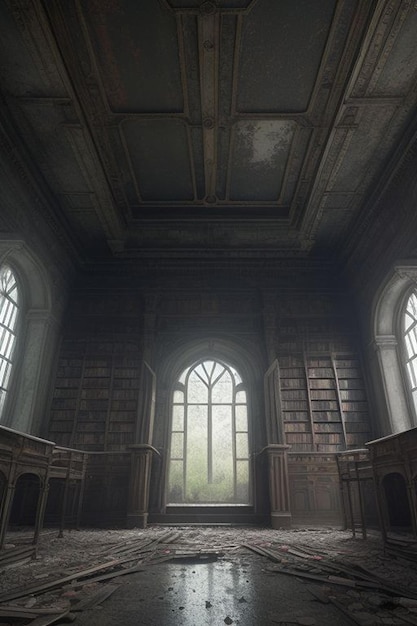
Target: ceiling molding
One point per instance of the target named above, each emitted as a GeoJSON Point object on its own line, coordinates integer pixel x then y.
{"type": "Point", "coordinates": [189, 129]}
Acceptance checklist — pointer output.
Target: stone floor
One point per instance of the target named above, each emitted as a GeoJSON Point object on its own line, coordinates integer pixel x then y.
{"type": "Point", "coordinates": [220, 575]}
{"type": "Point", "coordinates": [218, 593]}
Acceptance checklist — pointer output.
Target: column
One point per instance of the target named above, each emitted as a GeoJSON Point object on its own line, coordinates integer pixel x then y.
{"type": "Point", "coordinates": [386, 348]}
{"type": "Point", "coordinates": [279, 492]}
{"type": "Point", "coordinates": [140, 474]}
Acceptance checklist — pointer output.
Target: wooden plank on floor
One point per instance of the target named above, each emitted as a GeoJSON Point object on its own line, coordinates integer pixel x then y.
{"type": "Point", "coordinates": [21, 611]}
{"type": "Point", "coordinates": [263, 552]}
{"type": "Point", "coordinates": [335, 580]}
{"type": "Point", "coordinates": [120, 572]}
{"type": "Point", "coordinates": [24, 591]}
{"type": "Point", "coordinates": [46, 620]}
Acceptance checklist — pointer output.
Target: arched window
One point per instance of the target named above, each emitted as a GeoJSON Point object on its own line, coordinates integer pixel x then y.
{"type": "Point", "coordinates": [410, 341]}
{"type": "Point", "coordinates": [209, 456]}
{"type": "Point", "coordinates": [393, 350]}
{"type": "Point", "coordinates": [9, 304]}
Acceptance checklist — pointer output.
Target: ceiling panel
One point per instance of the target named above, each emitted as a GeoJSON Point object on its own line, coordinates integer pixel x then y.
{"type": "Point", "coordinates": [159, 151]}
{"type": "Point", "coordinates": [259, 157]}
{"type": "Point", "coordinates": [136, 49]}
{"type": "Point", "coordinates": [281, 48]}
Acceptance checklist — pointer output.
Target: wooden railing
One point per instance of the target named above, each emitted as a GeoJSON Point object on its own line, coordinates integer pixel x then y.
{"type": "Point", "coordinates": [24, 456]}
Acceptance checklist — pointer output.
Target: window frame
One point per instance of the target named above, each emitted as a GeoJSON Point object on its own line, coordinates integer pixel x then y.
{"type": "Point", "coordinates": [410, 391]}
{"type": "Point", "coordinates": [14, 352]}
{"type": "Point", "coordinates": [394, 410]}
{"type": "Point", "coordinates": [239, 386]}
{"type": "Point", "coordinates": [44, 288]}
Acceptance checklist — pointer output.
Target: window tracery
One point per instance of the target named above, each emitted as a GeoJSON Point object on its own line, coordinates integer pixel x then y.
{"type": "Point", "coordinates": [410, 342]}
{"type": "Point", "coordinates": [209, 456]}
{"type": "Point", "coordinates": [9, 306]}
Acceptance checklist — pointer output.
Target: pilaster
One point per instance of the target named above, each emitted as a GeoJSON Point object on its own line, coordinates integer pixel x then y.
{"type": "Point", "coordinates": [140, 474]}
{"type": "Point", "coordinates": [279, 492]}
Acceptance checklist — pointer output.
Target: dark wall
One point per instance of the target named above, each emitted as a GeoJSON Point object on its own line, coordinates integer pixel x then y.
{"type": "Point", "coordinates": [95, 401]}
{"type": "Point", "coordinates": [384, 235]}
{"type": "Point", "coordinates": [298, 315]}
{"type": "Point", "coordinates": [294, 312]}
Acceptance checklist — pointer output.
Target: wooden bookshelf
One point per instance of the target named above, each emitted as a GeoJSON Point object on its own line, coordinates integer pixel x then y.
{"type": "Point", "coordinates": [94, 406]}
{"type": "Point", "coordinates": [323, 402]}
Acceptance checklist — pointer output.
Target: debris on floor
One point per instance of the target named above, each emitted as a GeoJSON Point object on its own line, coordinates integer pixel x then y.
{"type": "Point", "coordinates": [369, 582]}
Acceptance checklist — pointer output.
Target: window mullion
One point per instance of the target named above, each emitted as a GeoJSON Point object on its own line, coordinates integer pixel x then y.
{"type": "Point", "coordinates": [3, 335]}
{"type": "Point", "coordinates": [5, 316]}
{"type": "Point", "coordinates": [219, 376]}
{"type": "Point", "coordinates": [234, 451]}
{"type": "Point", "coordinates": [209, 437]}
{"type": "Point", "coordinates": [184, 445]}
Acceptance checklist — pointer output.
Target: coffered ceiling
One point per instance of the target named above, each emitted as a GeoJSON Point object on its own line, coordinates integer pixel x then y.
{"type": "Point", "coordinates": [203, 128]}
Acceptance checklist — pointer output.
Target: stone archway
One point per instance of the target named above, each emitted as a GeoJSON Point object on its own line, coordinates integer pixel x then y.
{"type": "Point", "coordinates": [247, 361]}
{"type": "Point", "coordinates": [36, 341]}
{"type": "Point", "coordinates": [388, 306]}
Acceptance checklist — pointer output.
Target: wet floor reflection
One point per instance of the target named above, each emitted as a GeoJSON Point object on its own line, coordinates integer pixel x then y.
{"type": "Point", "coordinates": [241, 591]}
{"type": "Point", "coordinates": [214, 593]}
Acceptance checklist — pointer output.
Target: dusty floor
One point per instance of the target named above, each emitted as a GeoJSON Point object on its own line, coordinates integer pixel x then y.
{"type": "Point", "coordinates": [192, 576]}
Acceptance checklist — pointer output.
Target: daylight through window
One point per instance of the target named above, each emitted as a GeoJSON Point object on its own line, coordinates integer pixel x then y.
{"type": "Point", "coordinates": [410, 339]}
{"type": "Point", "coordinates": [8, 318]}
{"type": "Point", "coordinates": [209, 460]}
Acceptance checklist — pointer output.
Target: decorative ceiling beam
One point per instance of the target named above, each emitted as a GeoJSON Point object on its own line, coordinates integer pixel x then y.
{"type": "Point", "coordinates": [48, 28]}
{"type": "Point", "coordinates": [208, 44]}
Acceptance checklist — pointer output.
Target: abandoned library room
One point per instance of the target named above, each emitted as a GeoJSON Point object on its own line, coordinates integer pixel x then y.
{"type": "Point", "coordinates": [208, 312]}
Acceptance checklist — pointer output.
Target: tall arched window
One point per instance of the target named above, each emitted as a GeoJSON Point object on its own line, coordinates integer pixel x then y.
{"type": "Point", "coordinates": [393, 350]}
{"type": "Point", "coordinates": [410, 340]}
{"type": "Point", "coordinates": [209, 457]}
{"type": "Point", "coordinates": [9, 303]}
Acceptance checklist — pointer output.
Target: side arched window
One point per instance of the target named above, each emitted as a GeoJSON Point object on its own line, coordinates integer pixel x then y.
{"type": "Point", "coordinates": [209, 456]}
{"type": "Point", "coordinates": [9, 307]}
{"type": "Point", "coordinates": [410, 341]}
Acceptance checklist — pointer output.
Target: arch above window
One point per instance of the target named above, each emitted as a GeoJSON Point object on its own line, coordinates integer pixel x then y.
{"type": "Point", "coordinates": [243, 355]}
{"type": "Point", "coordinates": [26, 399]}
